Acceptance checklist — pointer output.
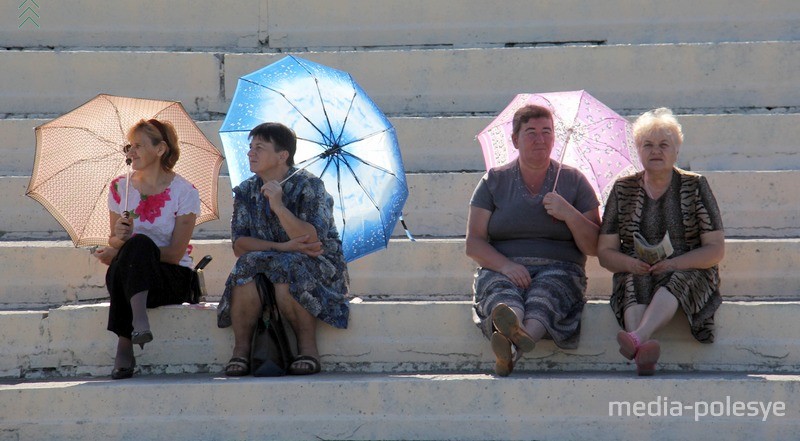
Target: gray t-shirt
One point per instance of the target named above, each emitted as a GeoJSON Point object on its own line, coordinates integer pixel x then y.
{"type": "Point", "coordinates": [519, 225]}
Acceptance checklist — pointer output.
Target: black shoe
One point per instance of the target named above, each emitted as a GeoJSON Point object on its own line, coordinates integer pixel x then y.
{"type": "Point", "coordinates": [140, 338]}
{"type": "Point", "coordinates": [122, 373]}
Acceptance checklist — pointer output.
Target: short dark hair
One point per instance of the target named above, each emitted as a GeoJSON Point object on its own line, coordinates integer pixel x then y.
{"type": "Point", "coordinates": [529, 112]}
{"type": "Point", "coordinates": [281, 137]}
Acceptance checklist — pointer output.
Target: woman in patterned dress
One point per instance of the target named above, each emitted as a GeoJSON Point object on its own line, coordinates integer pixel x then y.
{"type": "Point", "coordinates": [531, 245]}
{"type": "Point", "coordinates": [661, 200]}
{"type": "Point", "coordinates": [286, 232]}
{"type": "Point", "coordinates": [148, 258]}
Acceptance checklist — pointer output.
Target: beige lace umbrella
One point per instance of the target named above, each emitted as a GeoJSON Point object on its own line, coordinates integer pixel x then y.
{"type": "Point", "coordinates": [79, 153]}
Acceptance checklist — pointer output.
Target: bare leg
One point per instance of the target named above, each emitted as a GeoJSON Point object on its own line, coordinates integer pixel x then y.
{"type": "Point", "coordinates": [633, 316]}
{"type": "Point", "coordinates": [245, 311]}
{"type": "Point", "coordinates": [139, 308]}
{"type": "Point", "coordinates": [302, 322]}
{"type": "Point", "coordinates": [658, 313]}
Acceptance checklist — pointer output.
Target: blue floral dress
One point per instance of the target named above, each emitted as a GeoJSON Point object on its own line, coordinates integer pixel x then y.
{"type": "Point", "coordinates": [319, 284]}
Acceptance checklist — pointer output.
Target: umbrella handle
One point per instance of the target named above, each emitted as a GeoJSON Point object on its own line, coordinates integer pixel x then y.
{"type": "Point", "coordinates": [561, 158]}
{"type": "Point", "coordinates": [125, 213]}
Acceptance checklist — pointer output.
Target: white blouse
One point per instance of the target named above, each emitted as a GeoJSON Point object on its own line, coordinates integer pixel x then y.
{"type": "Point", "coordinates": [154, 215]}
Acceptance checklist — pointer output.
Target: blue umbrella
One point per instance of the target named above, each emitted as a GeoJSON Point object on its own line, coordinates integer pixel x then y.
{"type": "Point", "coordinates": [342, 137]}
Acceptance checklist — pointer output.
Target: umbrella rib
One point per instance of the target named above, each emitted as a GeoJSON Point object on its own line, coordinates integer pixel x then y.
{"type": "Point", "coordinates": [118, 119]}
{"type": "Point", "coordinates": [290, 103]}
{"type": "Point", "coordinates": [379, 132]}
{"type": "Point", "coordinates": [369, 164]}
{"type": "Point", "coordinates": [349, 109]}
{"type": "Point", "coordinates": [58, 173]}
{"type": "Point", "coordinates": [358, 181]}
{"type": "Point", "coordinates": [84, 129]}
{"type": "Point", "coordinates": [341, 198]}
{"type": "Point", "coordinates": [333, 139]}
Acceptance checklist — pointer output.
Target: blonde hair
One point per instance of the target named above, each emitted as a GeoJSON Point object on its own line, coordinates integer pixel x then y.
{"type": "Point", "coordinates": [659, 120]}
{"type": "Point", "coordinates": [159, 131]}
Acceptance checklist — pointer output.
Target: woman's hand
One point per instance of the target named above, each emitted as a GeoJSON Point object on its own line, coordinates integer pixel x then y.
{"type": "Point", "coordinates": [664, 266]}
{"type": "Point", "coordinates": [638, 267]}
{"type": "Point", "coordinates": [105, 255]}
{"type": "Point", "coordinates": [272, 190]}
{"type": "Point", "coordinates": [300, 245]}
{"type": "Point", "coordinates": [123, 228]}
{"type": "Point", "coordinates": [557, 206]}
{"type": "Point", "coordinates": [517, 273]}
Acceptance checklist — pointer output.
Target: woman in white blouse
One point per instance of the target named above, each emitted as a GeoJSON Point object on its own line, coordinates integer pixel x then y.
{"type": "Point", "coordinates": [152, 218]}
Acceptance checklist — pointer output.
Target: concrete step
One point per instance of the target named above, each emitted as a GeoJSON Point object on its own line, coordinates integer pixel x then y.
{"type": "Point", "coordinates": [520, 22]}
{"type": "Point", "coordinates": [392, 337]}
{"type": "Point", "coordinates": [752, 205]}
{"type": "Point", "coordinates": [597, 406]}
{"type": "Point", "coordinates": [712, 142]}
{"type": "Point", "coordinates": [701, 77]}
{"type": "Point", "coordinates": [260, 25]}
{"type": "Point", "coordinates": [428, 269]}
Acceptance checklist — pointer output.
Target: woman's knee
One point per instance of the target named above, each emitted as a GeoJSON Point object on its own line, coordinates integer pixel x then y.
{"type": "Point", "coordinates": [244, 295]}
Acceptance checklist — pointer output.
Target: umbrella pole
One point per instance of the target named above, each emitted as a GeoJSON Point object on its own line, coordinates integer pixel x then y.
{"type": "Point", "coordinates": [298, 170]}
{"type": "Point", "coordinates": [125, 213]}
{"type": "Point", "coordinates": [561, 158]}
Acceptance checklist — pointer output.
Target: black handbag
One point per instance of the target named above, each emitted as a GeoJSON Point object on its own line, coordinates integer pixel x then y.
{"type": "Point", "coordinates": [270, 353]}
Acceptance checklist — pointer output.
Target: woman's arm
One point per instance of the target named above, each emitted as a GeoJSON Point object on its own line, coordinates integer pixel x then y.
{"type": "Point", "coordinates": [293, 226]}
{"type": "Point", "coordinates": [710, 253]}
{"type": "Point", "coordinates": [300, 244]}
{"type": "Point", "coordinates": [612, 259]}
{"type": "Point", "coordinates": [106, 254]}
{"type": "Point", "coordinates": [485, 255]}
{"type": "Point", "coordinates": [181, 235]}
{"type": "Point", "coordinates": [584, 226]}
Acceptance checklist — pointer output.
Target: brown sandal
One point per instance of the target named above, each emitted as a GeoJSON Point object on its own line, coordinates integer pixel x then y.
{"type": "Point", "coordinates": [504, 363]}
{"type": "Point", "coordinates": [305, 365]}
{"type": "Point", "coordinates": [237, 367]}
{"type": "Point", "coordinates": [507, 323]}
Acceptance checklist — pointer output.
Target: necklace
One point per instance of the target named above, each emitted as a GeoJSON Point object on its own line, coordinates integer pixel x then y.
{"type": "Point", "coordinates": [646, 187]}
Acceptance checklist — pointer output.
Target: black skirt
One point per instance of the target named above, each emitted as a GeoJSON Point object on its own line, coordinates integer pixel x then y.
{"type": "Point", "coordinates": [137, 268]}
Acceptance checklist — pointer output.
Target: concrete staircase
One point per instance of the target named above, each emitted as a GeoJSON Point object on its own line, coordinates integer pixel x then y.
{"type": "Point", "coordinates": [412, 365]}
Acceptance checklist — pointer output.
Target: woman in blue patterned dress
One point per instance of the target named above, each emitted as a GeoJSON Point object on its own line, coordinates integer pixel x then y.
{"type": "Point", "coordinates": [287, 233]}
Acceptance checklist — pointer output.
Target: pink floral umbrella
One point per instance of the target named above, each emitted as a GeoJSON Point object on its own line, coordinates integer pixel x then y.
{"type": "Point", "coordinates": [589, 136]}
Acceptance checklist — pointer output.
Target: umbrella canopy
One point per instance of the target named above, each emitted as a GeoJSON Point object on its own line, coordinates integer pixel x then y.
{"type": "Point", "coordinates": [589, 136]}
{"type": "Point", "coordinates": [342, 137]}
{"type": "Point", "coordinates": [79, 153]}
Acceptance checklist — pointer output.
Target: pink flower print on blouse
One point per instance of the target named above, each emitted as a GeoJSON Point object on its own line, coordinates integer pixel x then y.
{"type": "Point", "coordinates": [114, 189]}
{"type": "Point", "coordinates": [150, 207]}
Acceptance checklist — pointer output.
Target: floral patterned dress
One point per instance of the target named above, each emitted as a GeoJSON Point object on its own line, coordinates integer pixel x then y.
{"type": "Point", "coordinates": [319, 284]}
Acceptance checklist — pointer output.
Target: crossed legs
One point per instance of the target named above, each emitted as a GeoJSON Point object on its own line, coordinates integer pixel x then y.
{"type": "Point", "coordinates": [511, 328]}
{"type": "Point", "coordinates": [124, 357]}
{"type": "Point", "coordinates": [641, 322]}
{"type": "Point", "coordinates": [644, 320]}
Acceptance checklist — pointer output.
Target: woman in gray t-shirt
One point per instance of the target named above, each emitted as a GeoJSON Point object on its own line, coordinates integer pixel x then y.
{"type": "Point", "coordinates": [531, 244]}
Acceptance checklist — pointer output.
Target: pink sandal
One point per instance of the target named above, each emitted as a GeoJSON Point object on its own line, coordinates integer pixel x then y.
{"type": "Point", "coordinates": [646, 357]}
{"type": "Point", "coordinates": [628, 344]}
